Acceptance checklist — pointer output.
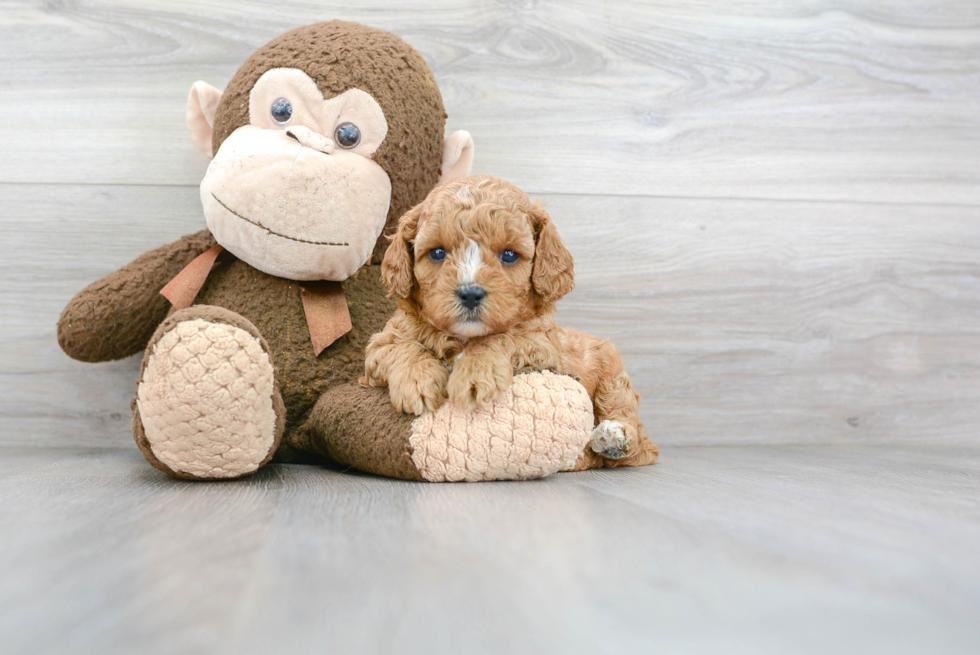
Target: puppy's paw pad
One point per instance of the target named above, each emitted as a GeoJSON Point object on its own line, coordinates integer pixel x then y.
{"type": "Point", "coordinates": [610, 440]}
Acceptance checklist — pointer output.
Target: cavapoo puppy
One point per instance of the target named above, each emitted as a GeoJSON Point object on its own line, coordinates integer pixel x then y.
{"type": "Point", "coordinates": [476, 269]}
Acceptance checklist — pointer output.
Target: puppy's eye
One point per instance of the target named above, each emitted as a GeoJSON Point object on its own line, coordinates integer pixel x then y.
{"type": "Point", "coordinates": [509, 257]}
{"type": "Point", "coordinates": [437, 254]}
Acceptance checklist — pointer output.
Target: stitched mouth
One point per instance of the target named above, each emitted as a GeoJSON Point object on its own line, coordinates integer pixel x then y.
{"type": "Point", "coordinates": [276, 234]}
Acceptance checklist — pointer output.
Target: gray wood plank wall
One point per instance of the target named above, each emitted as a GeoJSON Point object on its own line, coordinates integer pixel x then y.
{"type": "Point", "coordinates": [773, 206]}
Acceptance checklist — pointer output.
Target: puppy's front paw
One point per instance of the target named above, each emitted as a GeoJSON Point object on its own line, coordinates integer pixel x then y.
{"type": "Point", "coordinates": [476, 379]}
{"type": "Point", "coordinates": [419, 388]}
{"type": "Point", "coordinates": [611, 439]}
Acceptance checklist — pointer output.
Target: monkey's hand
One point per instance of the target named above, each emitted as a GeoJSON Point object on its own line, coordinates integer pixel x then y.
{"type": "Point", "coordinates": [115, 317]}
{"type": "Point", "coordinates": [478, 377]}
{"type": "Point", "coordinates": [418, 387]}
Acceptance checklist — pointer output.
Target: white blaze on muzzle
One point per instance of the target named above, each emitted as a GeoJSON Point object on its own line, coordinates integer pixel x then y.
{"type": "Point", "coordinates": [471, 263]}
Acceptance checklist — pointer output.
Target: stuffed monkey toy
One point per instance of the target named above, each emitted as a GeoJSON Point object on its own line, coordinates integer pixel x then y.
{"type": "Point", "coordinates": [253, 330]}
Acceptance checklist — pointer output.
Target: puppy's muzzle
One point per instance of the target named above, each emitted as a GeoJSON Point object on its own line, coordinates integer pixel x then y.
{"type": "Point", "coordinates": [470, 297]}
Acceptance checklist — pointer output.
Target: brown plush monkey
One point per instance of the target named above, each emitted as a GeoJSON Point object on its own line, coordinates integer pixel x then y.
{"type": "Point", "coordinates": [254, 329]}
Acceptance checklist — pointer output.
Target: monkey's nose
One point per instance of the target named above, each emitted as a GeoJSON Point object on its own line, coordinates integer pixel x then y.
{"type": "Point", "coordinates": [310, 139]}
{"type": "Point", "coordinates": [471, 297]}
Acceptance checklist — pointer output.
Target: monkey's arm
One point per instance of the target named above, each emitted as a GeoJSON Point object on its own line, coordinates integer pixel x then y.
{"type": "Point", "coordinates": [115, 317]}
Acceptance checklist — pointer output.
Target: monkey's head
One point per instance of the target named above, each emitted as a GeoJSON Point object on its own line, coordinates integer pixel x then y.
{"type": "Point", "coordinates": [323, 137]}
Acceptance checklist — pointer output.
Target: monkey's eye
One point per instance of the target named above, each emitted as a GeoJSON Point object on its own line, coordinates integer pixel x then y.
{"type": "Point", "coordinates": [509, 257]}
{"type": "Point", "coordinates": [347, 135]}
{"type": "Point", "coordinates": [437, 254]}
{"type": "Point", "coordinates": [282, 110]}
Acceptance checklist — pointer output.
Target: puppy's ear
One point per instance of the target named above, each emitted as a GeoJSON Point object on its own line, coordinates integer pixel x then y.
{"type": "Point", "coordinates": [396, 268]}
{"type": "Point", "coordinates": [553, 273]}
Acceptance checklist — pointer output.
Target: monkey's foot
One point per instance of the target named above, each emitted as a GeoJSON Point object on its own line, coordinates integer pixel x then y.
{"type": "Point", "coordinates": [535, 428]}
{"type": "Point", "coordinates": [207, 405]}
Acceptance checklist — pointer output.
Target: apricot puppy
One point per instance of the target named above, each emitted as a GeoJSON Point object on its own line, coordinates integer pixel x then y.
{"type": "Point", "coordinates": [476, 269]}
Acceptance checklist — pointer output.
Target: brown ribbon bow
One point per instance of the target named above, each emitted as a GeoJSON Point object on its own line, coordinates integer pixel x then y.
{"type": "Point", "coordinates": [324, 304]}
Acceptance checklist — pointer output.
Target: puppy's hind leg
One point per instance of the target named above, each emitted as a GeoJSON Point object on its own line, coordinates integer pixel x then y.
{"type": "Point", "coordinates": [618, 436]}
{"type": "Point", "coordinates": [611, 440]}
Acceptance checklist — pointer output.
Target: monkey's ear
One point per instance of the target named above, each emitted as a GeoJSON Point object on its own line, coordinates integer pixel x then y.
{"type": "Point", "coordinates": [457, 156]}
{"type": "Point", "coordinates": [396, 268]}
{"type": "Point", "coordinates": [553, 272]}
{"type": "Point", "coordinates": [202, 105]}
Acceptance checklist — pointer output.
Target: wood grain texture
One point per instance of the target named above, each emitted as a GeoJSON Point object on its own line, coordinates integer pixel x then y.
{"type": "Point", "coordinates": [739, 549]}
{"type": "Point", "coordinates": [822, 100]}
{"type": "Point", "coordinates": [741, 321]}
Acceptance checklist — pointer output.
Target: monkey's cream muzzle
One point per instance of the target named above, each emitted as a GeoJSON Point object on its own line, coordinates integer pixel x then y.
{"type": "Point", "coordinates": [292, 210]}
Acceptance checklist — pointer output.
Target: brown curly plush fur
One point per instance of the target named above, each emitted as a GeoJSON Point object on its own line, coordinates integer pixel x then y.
{"type": "Point", "coordinates": [116, 316]}
{"type": "Point", "coordinates": [338, 56]}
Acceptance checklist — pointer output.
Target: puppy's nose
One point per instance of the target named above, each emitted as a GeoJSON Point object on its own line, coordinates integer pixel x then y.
{"type": "Point", "coordinates": [471, 297]}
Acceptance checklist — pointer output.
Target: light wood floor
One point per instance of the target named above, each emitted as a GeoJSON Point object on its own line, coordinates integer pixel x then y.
{"type": "Point", "coordinates": [775, 213]}
{"type": "Point", "coordinates": [723, 549]}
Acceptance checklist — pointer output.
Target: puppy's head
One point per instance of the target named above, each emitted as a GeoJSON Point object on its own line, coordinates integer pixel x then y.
{"type": "Point", "coordinates": [477, 257]}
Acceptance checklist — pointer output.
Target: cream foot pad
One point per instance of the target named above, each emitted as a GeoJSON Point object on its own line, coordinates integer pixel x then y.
{"type": "Point", "coordinates": [537, 427]}
{"type": "Point", "coordinates": [205, 399]}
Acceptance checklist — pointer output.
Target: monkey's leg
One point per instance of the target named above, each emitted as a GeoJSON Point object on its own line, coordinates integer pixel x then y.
{"type": "Point", "coordinates": [539, 426]}
{"type": "Point", "coordinates": [207, 404]}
